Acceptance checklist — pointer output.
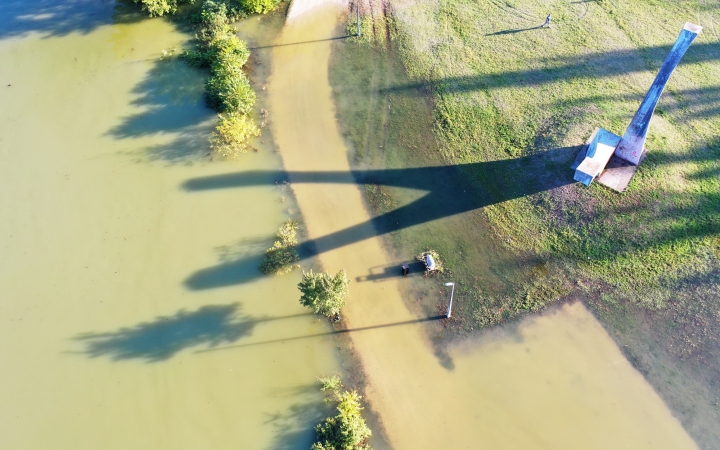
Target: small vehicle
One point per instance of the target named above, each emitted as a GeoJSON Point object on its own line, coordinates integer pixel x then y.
{"type": "Point", "coordinates": [429, 262]}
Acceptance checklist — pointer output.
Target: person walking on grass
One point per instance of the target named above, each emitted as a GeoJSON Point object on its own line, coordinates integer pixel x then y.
{"type": "Point", "coordinates": [547, 22]}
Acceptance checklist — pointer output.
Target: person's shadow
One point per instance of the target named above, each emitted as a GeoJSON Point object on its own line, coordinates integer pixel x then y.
{"type": "Point", "coordinates": [448, 194]}
{"type": "Point", "coordinates": [518, 30]}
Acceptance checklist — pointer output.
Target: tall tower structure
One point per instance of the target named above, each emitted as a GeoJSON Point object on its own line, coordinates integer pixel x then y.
{"type": "Point", "coordinates": [613, 160]}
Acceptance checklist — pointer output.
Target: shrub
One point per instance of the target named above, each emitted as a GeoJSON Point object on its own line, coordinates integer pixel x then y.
{"type": "Point", "coordinates": [258, 6]}
{"type": "Point", "coordinates": [232, 135]}
{"type": "Point", "coordinates": [228, 89]}
{"type": "Point", "coordinates": [228, 51]}
{"type": "Point", "coordinates": [347, 430]}
{"type": "Point", "coordinates": [282, 257]}
{"type": "Point", "coordinates": [331, 386]}
{"type": "Point", "coordinates": [214, 34]}
{"type": "Point", "coordinates": [160, 7]}
{"type": "Point", "coordinates": [323, 293]}
{"type": "Point", "coordinates": [213, 22]}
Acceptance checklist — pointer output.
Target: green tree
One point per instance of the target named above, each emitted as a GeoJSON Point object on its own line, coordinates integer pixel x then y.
{"type": "Point", "coordinates": [232, 135]}
{"type": "Point", "coordinates": [282, 257]}
{"type": "Point", "coordinates": [324, 293]}
{"type": "Point", "coordinates": [160, 7]}
{"type": "Point", "coordinates": [258, 6]}
{"type": "Point", "coordinates": [347, 430]}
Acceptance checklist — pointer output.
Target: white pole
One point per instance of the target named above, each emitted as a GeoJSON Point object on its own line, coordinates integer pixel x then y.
{"type": "Point", "coordinates": [452, 291]}
{"type": "Point", "coordinates": [357, 10]}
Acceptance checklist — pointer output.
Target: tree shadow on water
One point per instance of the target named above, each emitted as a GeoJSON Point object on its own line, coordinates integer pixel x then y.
{"type": "Point", "coordinates": [498, 180]}
{"type": "Point", "coordinates": [55, 18]}
{"type": "Point", "coordinates": [171, 102]}
{"type": "Point", "coordinates": [295, 426]}
{"type": "Point", "coordinates": [162, 338]}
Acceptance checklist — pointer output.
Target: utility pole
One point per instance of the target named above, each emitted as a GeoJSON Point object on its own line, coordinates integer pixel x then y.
{"type": "Point", "coordinates": [357, 10]}
{"type": "Point", "coordinates": [452, 291]}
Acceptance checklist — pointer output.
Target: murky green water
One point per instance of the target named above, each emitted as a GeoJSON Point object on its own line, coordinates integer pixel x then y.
{"type": "Point", "coordinates": [132, 312]}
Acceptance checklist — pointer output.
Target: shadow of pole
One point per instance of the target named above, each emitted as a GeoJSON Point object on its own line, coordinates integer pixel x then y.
{"type": "Point", "coordinates": [330, 333]}
{"type": "Point", "coordinates": [337, 38]}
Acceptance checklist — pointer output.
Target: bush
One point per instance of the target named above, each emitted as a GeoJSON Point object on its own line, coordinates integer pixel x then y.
{"type": "Point", "coordinates": [323, 293]}
{"type": "Point", "coordinates": [282, 257]}
{"type": "Point", "coordinates": [228, 51]}
{"type": "Point", "coordinates": [347, 430]}
{"type": "Point", "coordinates": [160, 7]}
{"type": "Point", "coordinates": [228, 89]}
{"type": "Point", "coordinates": [232, 135]}
{"type": "Point", "coordinates": [213, 22]}
{"type": "Point", "coordinates": [258, 6]}
{"type": "Point", "coordinates": [215, 35]}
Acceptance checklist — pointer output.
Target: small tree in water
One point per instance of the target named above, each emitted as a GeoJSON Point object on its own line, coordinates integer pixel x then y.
{"type": "Point", "coordinates": [323, 293]}
{"type": "Point", "coordinates": [282, 257]}
{"type": "Point", "coordinates": [347, 430]}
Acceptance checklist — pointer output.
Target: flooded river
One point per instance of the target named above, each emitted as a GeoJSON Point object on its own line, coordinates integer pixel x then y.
{"type": "Point", "coordinates": [104, 338]}
{"type": "Point", "coordinates": [132, 311]}
{"type": "Point", "coordinates": [556, 381]}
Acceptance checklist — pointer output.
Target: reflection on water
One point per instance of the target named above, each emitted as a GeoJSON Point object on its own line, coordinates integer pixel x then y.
{"type": "Point", "coordinates": [100, 341]}
{"type": "Point", "coordinates": [556, 381]}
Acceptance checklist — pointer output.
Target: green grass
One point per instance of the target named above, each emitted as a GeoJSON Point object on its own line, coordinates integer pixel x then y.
{"type": "Point", "coordinates": [508, 95]}
{"type": "Point", "coordinates": [479, 83]}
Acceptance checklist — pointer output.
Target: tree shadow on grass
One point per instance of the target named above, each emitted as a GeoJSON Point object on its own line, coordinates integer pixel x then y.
{"type": "Point", "coordinates": [498, 181]}
{"type": "Point", "coordinates": [162, 338]}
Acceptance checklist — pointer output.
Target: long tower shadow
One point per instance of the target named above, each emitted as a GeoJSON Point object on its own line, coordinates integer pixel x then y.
{"type": "Point", "coordinates": [448, 192]}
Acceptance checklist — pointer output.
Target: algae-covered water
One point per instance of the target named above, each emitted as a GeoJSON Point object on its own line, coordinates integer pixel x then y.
{"type": "Point", "coordinates": [107, 340]}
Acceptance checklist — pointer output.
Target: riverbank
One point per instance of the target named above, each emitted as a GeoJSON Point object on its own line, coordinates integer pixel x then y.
{"type": "Point", "coordinates": [492, 107]}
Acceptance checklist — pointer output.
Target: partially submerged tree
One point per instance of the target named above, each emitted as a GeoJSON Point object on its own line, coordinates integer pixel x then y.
{"type": "Point", "coordinates": [347, 430]}
{"type": "Point", "coordinates": [160, 7]}
{"type": "Point", "coordinates": [232, 135]}
{"type": "Point", "coordinates": [282, 257]}
{"type": "Point", "coordinates": [324, 293]}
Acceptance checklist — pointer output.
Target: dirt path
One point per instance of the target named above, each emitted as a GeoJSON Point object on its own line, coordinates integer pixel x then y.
{"type": "Point", "coordinates": [502, 392]}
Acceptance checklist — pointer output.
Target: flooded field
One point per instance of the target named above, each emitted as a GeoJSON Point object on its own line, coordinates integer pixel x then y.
{"type": "Point", "coordinates": [554, 381]}
{"type": "Point", "coordinates": [133, 314]}
{"type": "Point", "coordinates": [112, 315]}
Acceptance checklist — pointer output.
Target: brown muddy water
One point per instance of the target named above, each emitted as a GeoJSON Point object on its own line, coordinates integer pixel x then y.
{"type": "Point", "coordinates": [553, 381]}
{"type": "Point", "coordinates": [120, 292]}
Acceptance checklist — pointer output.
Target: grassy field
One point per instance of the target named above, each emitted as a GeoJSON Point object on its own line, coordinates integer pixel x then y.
{"type": "Point", "coordinates": [498, 108]}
